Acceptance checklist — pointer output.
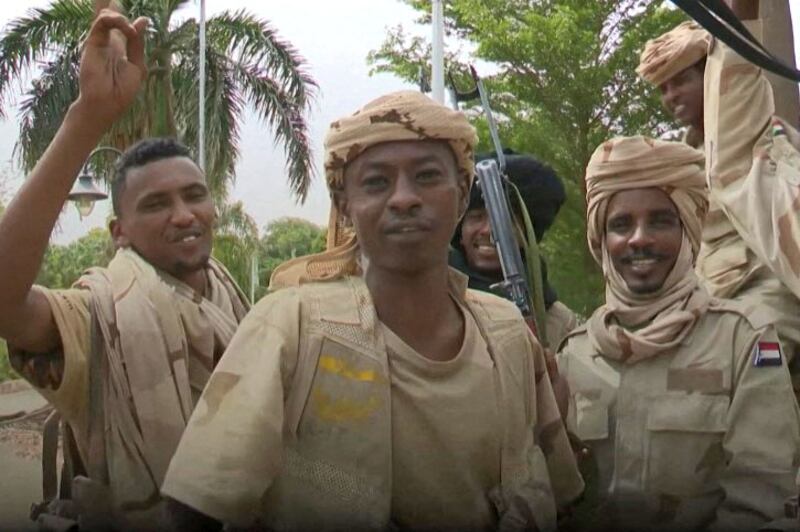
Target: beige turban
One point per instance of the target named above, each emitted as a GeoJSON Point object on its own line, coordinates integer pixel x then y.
{"type": "Point", "coordinates": [673, 52]}
{"type": "Point", "coordinates": [631, 326]}
{"type": "Point", "coordinates": [639, 162]}
{"type": "Point", "coordinates": [399, 116]}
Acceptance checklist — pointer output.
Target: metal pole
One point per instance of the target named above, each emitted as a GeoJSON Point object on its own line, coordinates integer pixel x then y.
{"type": "Point", "coordinates": [253, 276]}
{"type": "Point", "coordinates": [437, 51]}
{"type": "Point", "coordinates": [201, 104]}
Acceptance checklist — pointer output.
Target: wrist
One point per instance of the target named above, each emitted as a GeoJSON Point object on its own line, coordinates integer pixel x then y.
{"type": "Point", "coordinates": [86, 119]}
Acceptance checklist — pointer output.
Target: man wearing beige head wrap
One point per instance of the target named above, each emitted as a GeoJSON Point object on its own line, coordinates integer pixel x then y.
{"type": "Point", "coordinates": [750, 232]}
{"type": "Point", "coordinates": [684, 400]}
{"type": "Point", "coordinates": [675, 63]}
{"type": "Point", "coordinates": [375, 390]}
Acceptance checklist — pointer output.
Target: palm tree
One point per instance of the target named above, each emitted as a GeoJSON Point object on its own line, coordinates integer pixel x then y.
{"type": "Point", "coordinates": [247, 64]}
{"type": "Point", "coordinates": [236, 242]}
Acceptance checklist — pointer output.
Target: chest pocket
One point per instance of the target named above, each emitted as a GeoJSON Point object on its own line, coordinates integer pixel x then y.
{"type": "Point", "coordinates": [684, 443]}
{"type": "Point", "coordinates": [591, 417]}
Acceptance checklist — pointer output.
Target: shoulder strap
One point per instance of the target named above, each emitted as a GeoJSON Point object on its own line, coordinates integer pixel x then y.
{"type": "Point", "coordinates": [49, 456]}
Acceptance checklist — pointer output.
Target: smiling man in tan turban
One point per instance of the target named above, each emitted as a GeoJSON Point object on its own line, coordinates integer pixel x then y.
{"type": "Point", "coordinates": [376, 390]}
{"type": "Point", "coordinates": [684, 400]}
{"type": "Point", "coordinates": [675, 63]}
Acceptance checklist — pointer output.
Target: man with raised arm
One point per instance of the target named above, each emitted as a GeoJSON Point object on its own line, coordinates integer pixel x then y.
{"type": "Point", "coordinates": [684, 400]}
{"type": "Point", "coordinates": [381, 391]}
{"type": "Point", "coordinates": [124, 354]}
{"type": "Point", "coordinates": [751, 238]}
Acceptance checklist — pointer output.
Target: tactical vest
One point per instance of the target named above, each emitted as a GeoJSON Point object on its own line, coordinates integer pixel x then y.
{"type": "Point", "coordinates": [339, 475]}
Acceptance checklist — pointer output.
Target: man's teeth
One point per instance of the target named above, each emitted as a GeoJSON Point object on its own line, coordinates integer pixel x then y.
{"type": "Point", "coordinates": [189, 238]}
{"type": "Point", "coordinates": [680, 109]}
{"type": "Point", "coordinates": [643, 262]}
{"type": "Point", "coordinates": [485, 247]}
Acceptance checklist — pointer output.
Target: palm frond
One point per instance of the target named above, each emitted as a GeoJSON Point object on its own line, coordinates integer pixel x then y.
{"type": "Point", "coordinates": [26, 40]}
{"type": "Point", "coordinates": [44, 106]}
{"type": "Point", "coordinates": [224, 106]}
{"type": "Point", "coordinates": [284, 116]}
{"type": "Point", "coordinates": [249, 40]}
{"type": "Point", "coordinates": [233, 220]}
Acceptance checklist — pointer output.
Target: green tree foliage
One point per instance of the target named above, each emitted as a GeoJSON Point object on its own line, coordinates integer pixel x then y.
{"type": "Point", "coordinates": [63, 264]}
{"type": "Point", "coordinates": [564, 82]}
{"type": "Point", "coordinates": [247, 64]}
{"type": "Point", "coordinates": [285, 239]}
{"type": "Point", "coordinates": [236, 242]}
{"type": "Point", "coordinates": [6, 372]}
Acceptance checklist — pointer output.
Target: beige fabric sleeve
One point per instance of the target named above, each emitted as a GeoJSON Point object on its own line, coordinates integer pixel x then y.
{"type": "Point", "coordinates": [551, 435]}
{"type": "Point", "coordinates": [62, 376]}
{"type": "Point", "coordinates": [232, 448]}
{"type": "Point", "coordinates": [762, 444]}
{"type": "Point", "coordinates": [753, 173]}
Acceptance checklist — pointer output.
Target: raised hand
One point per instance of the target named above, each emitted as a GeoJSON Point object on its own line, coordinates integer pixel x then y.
{"type": "Point", "coordinates": [112, 64]}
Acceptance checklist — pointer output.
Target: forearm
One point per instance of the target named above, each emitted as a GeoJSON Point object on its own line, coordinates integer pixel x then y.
{"type": "Point", "coordinates": [738, 109]}
{"type": "Point", "coordinates": [28, 221]}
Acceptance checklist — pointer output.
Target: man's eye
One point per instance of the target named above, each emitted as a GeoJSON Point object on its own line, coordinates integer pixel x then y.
{"type": "Point", "coordinates": [618, 226]}
{"type": "Point", "coordinates": [667, 222]}
{"type": "Point", "coordinates": [376, 181]}
{"type": "Point", "coordinates": [153, 205]}
{"type": "Point", "coordinates": [197, 195]}
{"type": "Point", "coordinates": [428, 175]}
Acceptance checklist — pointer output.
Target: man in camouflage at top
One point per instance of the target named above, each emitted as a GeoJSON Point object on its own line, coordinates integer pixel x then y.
{"type": "Point", "coordinates": [751, 234]}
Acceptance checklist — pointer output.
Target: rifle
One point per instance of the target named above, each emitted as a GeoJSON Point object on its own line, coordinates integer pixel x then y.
{"type": "Point", "coordinates": [517, 281]}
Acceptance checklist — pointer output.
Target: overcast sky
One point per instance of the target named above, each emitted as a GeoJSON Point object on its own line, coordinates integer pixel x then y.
{"type": "Point", "coordinates": [334, 37]}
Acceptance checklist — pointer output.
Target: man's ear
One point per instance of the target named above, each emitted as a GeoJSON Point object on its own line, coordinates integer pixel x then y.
{"type": "Point", "coordinates": [117, 234]}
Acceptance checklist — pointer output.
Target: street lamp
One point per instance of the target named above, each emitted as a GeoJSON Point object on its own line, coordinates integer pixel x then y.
{"type": "Point", "coordinates": [84, 193]}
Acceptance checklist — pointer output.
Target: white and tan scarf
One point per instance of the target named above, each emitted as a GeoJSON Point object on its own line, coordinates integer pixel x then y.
{"type": "Point", "coordinates": [631, 327]}
{"type": "Point", "coordinates": [146, 326]}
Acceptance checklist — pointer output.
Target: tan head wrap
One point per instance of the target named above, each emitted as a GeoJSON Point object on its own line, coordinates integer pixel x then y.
{"type": "Point", "coordinates": [630, 326]}
{"type": "Point", "coordinates": [399, 116]}
{"type": "Point", "coordinates": [673, 52]}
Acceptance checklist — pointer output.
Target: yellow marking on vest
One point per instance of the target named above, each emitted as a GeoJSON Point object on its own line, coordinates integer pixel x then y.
{"type": "Point", "coordinates": [332, 409]}
{"type": "Point", "coordinates": [338, 366]}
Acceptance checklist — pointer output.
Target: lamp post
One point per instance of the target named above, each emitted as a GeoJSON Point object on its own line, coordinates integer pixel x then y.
{"type": "Point", "coordinates": [85, 193]}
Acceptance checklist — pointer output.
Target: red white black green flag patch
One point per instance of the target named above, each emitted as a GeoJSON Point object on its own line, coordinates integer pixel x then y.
{"type": "Point", "coordinates": [767, 354]}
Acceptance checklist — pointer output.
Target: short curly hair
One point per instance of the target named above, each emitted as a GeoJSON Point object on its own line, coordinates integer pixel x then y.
{"type": "Point", "coordinates": [143, 152]}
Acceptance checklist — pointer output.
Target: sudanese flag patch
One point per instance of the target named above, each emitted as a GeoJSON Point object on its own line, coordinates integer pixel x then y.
{"type": "Point", "coordinates": [767, 354]}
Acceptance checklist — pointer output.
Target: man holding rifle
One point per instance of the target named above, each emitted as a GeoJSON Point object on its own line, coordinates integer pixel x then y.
{"type": "Point", "coordinates": [380, 391]}
{"type": "Point", "coordinates": [475, 254]}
